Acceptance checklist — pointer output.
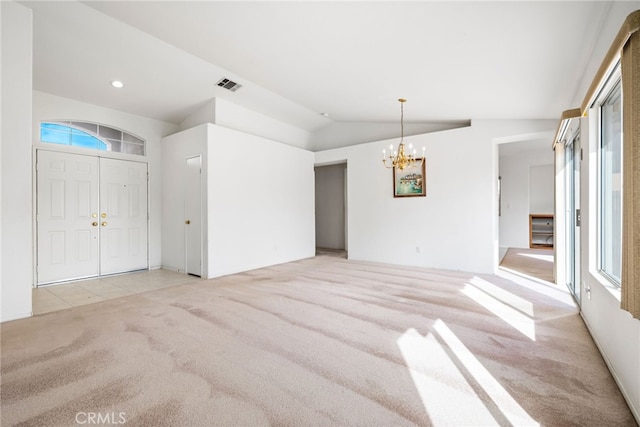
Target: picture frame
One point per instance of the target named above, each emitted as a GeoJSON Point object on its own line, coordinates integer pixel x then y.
{"type": "Point", "coordinates": [410, 182]}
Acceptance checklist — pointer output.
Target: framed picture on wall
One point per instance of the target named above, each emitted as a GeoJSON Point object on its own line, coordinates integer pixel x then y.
{"type": "Point", "coordinates": [410, 182]}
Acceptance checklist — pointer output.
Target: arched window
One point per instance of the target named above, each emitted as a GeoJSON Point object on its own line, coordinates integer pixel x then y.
{"type": "Point", "coordinates": [92, 136]}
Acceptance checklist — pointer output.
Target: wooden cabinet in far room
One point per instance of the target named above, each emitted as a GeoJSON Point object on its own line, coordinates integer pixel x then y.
{"type": "Point", "coordinates": [541, 231]}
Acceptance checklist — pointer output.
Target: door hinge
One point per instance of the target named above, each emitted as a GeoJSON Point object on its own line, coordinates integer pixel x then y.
{"type": "Point", "coordinates": [578, 218]}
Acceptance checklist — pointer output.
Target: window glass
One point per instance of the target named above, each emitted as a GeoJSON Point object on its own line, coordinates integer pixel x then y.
{"type": "Point", "coordinates": [611, 185]}
{"type": "Point", "coordinates": [91, 127]}
{"type": "Point", "coordinates": [92, 136]}
{"type": "Point", "coordinates": [110, 133]}
{"type": "Point", "coordinates": [54, 134]}
{"type": "Point", "coordinates": [61, 134]}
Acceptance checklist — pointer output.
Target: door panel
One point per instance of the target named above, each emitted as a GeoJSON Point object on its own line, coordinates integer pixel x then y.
{"type": "Point", "coordinates": [577, 158]}
{"type": "Point", "coordinates": [572, 155]}
{"type": "Point", "coordinates": [67, 199]}
{"type": "Point", "coordinates": [193, 215]}
{"type": "Point", "coordinates": [74, 192]}
{"type": "Point", "coordinates": [123, 216]}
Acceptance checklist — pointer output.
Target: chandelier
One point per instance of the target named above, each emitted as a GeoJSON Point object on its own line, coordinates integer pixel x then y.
{"type": "Point", "coordinates": [404, 157]}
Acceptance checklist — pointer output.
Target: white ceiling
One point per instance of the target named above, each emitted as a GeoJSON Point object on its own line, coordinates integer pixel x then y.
{"type": "Point", "coordinates": [453, 61]}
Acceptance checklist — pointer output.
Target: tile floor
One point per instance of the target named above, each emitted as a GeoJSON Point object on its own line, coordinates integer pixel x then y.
{"type": "Point", "coordinates": [66, 295]}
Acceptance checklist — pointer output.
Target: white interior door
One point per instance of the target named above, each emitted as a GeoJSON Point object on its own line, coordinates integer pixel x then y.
{"type": "Point", "coordinates": [67, 216]}
{"type": "Point", "coordinates": [123, 216]}
{"type": "Point", "coordinates": [91, 216]}
{"type": "Point", "coordinates": [193, 216]}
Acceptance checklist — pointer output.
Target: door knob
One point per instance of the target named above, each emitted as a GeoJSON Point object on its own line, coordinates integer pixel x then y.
{"type": "Point", "coordinates": [104, 223]}
{"type": "Point", "coordinates": [187, 222]}
{"type": "Point", "coordinates": [94, 223]}
{"type": "Point", "coordinates": [104, 215]}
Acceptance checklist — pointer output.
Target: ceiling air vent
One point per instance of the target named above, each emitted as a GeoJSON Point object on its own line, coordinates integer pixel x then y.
{"type": "Point", "coordinates": [228, 84]}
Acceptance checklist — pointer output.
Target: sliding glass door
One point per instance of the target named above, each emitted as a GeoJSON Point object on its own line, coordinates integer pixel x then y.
{"type": "Point", "coordinates": [572, 158]}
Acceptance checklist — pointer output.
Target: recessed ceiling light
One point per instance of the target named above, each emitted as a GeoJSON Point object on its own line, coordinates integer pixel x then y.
{"type": "Point", "coordinates": [117, 84]}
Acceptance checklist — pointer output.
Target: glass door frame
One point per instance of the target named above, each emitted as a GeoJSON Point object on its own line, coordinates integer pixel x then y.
{"type": "Point", "coordinates": [572, 161]}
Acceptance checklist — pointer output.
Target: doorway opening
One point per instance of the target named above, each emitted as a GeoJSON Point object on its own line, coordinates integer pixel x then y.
{"type": "Point", "coordinates": [331, 210]}
{"type": "Point", "coordinates": [526, 201]}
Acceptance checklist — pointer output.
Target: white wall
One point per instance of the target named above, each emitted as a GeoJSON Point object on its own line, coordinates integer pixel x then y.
{"type": "Point", "coordinates": [175, 150]}
{"type": "Point", "coordinates": [516, 196]}
{"type": "Point", "coordinates": [260, 201]}
{"type": "Point", "coordinates": [330, 206]}
{"type": "Point", "coordinates": [615, 332]}
{"type": "Point", "coordinates": [233, 116]}
{"type": "Point", "coordinates": [455, 225]}
{"type": "Point", "coordinates": [16, 274]}
{"type": "Point", "coordinates": [48, 107]}
{"type": "Point", "coordinates": [242, 119]}
{"type": "Point", "coordinates": [336, 134]}
{"type": "Point", "coordinates": [617, 11]}
{"type": "Point", "coordinates": [541, 188]}
{"type": "Point", "coordinates": [205, 114]}
{"type": "Point", "coordinates": [258, 198]}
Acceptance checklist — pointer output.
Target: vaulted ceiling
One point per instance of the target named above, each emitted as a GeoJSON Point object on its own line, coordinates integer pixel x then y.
{"type": "Point", "coordinates": [453, 61]}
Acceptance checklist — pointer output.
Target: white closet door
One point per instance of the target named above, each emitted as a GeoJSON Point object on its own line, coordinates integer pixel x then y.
{"type": "Point", "coordinates": [67, 216]}
{"type": "Point", "coordinates": [193, 215]}
{"type": "Point", "coordinates": [123, 216]}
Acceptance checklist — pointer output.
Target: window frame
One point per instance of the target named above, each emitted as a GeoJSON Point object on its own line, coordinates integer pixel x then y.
{"type": "Point", "coordinates": [613, 83]}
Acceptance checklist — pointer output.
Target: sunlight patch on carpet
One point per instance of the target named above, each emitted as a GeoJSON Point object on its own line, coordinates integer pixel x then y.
{"type": "Point", "coordinates": [547, 258]}
{"type": "Point", "coordinates": [521, 322]}
{"type": "Point", "coordinates": [446, 394]}
{"type": "Point", "coordinates": [509, 298]}
{"type": "Point", "coordinates": [551, 290]}
{"type": "Point", "coordinates": [516, 415]}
